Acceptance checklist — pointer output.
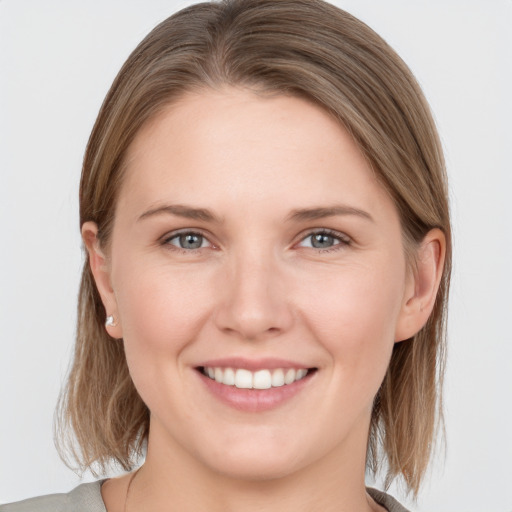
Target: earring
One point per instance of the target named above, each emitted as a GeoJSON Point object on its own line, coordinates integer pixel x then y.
{"type": "Point", "coordinates": [110, 321]}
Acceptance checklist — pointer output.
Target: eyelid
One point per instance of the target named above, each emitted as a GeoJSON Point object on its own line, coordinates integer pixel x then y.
{"type": "Point", "coordinates": [165, 240]}
{"type": "Point", "coordinates": [342, 237]}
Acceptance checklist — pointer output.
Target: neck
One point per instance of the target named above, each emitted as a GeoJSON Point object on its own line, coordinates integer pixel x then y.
{"type": "Point", "coordinates": [172, 479]}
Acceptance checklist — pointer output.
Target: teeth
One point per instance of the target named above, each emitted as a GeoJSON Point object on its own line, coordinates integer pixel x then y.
{"type": "Point", "coordinates": [301, 374]}
{"type": "Point", "coordinates": [243, 379]}
{"type": "Point", "coordinates": [229, 377]}
{"type": "Point", "coordinates": [278, 378]}
{"type": "Point", "coordinates": [261, 379]}
{"type": "Point", "coordinates": [289, 376]}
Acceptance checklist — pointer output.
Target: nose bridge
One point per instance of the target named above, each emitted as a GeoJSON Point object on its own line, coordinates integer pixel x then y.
{"type": "Point", "coordinates": [254, 303]}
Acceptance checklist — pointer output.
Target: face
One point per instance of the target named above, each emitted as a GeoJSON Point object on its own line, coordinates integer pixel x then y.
{"type": "Point", "coordinates": [259, 281]}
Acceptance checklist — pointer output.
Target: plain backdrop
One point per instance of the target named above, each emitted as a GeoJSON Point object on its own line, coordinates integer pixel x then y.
{"type": "Point", "coordinates": [57, 60]}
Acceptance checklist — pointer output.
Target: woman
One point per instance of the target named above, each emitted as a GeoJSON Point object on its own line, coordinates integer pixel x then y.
{"type": "Point", "coordinates": [262, 309]}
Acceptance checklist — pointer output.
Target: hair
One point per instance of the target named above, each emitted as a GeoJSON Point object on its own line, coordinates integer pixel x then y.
{"type": "Point", "coordinates": [306, 48]}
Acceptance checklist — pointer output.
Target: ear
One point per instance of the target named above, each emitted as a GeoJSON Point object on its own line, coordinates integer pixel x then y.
{"type": "Point", "coordinates": [101, 271]}
{"type": "Point", "coordinates": [422, 285]}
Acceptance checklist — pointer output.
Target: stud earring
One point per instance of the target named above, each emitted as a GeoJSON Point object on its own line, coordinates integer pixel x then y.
{"type": "Point", "coordinates": [110, 321]}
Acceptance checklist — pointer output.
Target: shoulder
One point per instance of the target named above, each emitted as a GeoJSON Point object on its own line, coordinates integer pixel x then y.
{"type": "Point", "coordinates": [387, 501]}
{"type": "Point", "coordinates": [84, 498]}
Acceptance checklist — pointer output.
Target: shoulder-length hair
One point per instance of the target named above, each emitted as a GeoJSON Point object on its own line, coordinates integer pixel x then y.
{"type": "Point", "coordinates": [307, 48]}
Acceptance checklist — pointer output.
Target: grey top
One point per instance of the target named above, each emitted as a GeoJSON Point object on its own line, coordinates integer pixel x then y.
{"type": "Point", "coordinates": [87, 498]}
{"type": "Point", "coordinates": [84, 498]}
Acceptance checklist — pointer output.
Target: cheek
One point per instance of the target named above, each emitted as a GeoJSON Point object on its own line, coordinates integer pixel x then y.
{"type": "Point", "coordinates": [355, 317]}
{"type": "Point", "coordinates": [161, 310]}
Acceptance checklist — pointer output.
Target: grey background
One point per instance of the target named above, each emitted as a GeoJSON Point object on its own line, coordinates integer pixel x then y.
{"type": "Point", "coordinates": [57, 60]}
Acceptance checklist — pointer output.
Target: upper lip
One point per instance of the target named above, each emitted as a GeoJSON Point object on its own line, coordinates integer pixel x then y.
{"type": "Point", "coordinates": [253, 364]}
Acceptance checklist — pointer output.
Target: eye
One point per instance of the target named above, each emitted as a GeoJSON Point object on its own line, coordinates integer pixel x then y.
{"type": "Point", "coordinates": [325, 239]}
{"type": "Point", "coordinates": [189, 240]}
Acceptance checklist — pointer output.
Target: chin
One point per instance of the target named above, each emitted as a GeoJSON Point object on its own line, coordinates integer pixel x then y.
{"type": "Point", "coordinates": [257, 468]}
{"type": "Point", "coordinates": [258, 460]}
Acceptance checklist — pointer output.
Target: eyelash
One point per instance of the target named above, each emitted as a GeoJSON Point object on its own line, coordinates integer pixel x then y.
{"type": "Point", "coordinates": [343, 240]}
{"type": "Point", "coordinates": [167, 239]}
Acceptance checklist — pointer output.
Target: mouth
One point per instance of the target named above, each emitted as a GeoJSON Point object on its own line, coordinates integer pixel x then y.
{"type": "Point", "coordinates": [261, 379]}
{"type": "Point", "coordinates": [256, 385]}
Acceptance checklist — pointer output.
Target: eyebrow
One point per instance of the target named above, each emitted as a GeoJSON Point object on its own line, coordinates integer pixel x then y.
{"type": "Point", "coordinates": [304, 214]}
{"type": "Point", "coordinates": [297, 215]}
{"type": "Point", "coordinates": [181, 210]}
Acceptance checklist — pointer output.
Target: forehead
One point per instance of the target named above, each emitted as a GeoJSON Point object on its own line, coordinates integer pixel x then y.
{"type": "Point", "coordinates": [233, 145]}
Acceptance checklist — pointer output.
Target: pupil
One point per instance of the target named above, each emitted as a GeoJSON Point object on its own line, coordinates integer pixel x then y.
{"type": "Point", "coordinates": [191, 241]}
{"type": "Point", "coordinates": [321, 241]}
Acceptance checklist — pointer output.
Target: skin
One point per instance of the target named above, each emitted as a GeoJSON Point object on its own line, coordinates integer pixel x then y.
{"type": "Point", "coordinates": [256, 288]}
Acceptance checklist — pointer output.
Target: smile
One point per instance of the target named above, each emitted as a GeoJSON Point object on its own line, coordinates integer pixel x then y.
{"type": "Point", "coordinates": [261, 379]}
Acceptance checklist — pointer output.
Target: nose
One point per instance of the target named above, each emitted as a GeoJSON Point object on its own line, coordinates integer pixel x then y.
{"type": "Point", "coordinates": [254, 305]}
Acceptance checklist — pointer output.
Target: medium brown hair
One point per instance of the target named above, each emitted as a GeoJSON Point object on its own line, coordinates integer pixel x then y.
{"type": "Point", "coordinates": [307, 48]}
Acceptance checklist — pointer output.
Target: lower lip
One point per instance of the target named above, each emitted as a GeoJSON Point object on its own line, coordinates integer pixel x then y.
{"type": "Point", "coordinates": [255, 400]}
